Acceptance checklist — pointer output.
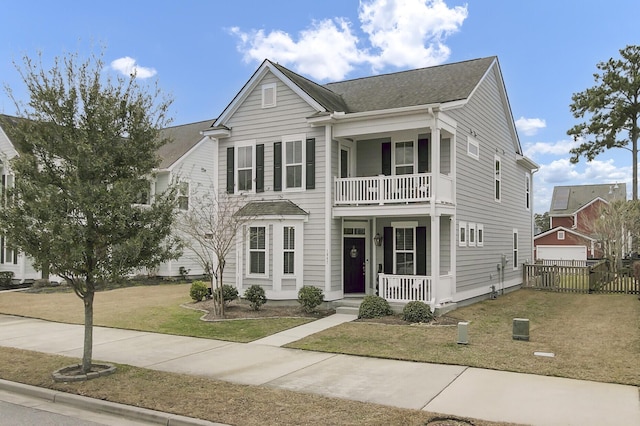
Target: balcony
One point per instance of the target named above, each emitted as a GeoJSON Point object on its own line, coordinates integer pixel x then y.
{"type": "Point", "coordinates": [400, 189]}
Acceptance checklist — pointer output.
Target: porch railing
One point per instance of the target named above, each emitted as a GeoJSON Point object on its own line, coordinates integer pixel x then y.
{"type": "Point", "coordinates": [404, 288]}
{"type": "Point", "coordinates": [383, 189]}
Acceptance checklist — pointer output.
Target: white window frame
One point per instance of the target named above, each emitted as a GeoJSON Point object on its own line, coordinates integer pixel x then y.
{"type": "Point", "coordinates": [266, 89]}
{"type": "Point", "coordinates": [471, 236]}
{"type": "Point", "coordinates": [411, 227]}
{"type": "Point", "coordinates": [265, 250]}
{"type": "Point", "coordinates": [236, 168]}
{"type": "Point", "coordinates": [286, 249]}
{"type": "Point", "coordinates": [394, 159]}
{"type": "Point", "coordinates": [479, 235]}
{"type": "Point", "coordinates": [286, 140]}
{"type": "Point", "coordinates": [473, 148]}
{"type": "Point", "coordinates": [516, 244]}
{"type": "Point", "coordinates": [462, 234]}
{"type": "Point", "coordinates": [561, 235]}
{"type": "Point", "coordinates": [497, 185]}
{"type": "Point", "coordinates": [184, 195]}
{"type": "Point", "coordinates": [527, 191]}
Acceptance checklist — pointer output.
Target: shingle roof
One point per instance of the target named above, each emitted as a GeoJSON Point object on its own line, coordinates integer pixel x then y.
{"type": "Point", "coordinates": [270, 208]}
{"type": "Point", "coordinates": [183, 138]}
{"type": "Point", "coordinates": [439, 84]}
{"type": "Point", "coordinates": [571, 198]}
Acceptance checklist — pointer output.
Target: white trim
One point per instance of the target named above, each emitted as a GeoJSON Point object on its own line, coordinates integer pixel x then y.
{"type": "Point", "coordinates": [560, 235]}
{"type": "Point", "coordinates": [472, 235]}
{"type": "Point", "coordinates": [462, 234]}
{"type": "Point", "coordinates": [480, 235]}
{"type": "Point", "coordinates": [515, 245]}
{"type": "Point", "coordinates": [527, 191]}
{"type": "Point", "coordinates": [408, 226]}
{"type": "Point", "coordinates": [250, 274]}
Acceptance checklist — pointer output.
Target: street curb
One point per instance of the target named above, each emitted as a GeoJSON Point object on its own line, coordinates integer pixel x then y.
{"type": "Point", "coordinates": [83, 402]}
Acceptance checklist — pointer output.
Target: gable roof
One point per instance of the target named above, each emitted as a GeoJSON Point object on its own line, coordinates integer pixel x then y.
{"type": "Point", "coordinates": [565, 229]}
{"type": "Point", "coordinates": [567, 200]}
{"type": "Point", "coordinates": [181, 139]}
{"type": "Point", "coordinates": [424, 86]}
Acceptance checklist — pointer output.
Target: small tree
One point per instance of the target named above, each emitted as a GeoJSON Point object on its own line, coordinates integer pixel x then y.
{"type": "Point", "coordinates": [614, 227]}
{"type": "Point", "coordinates": [87, 147]}
{"type": "Point", "coordinates": [613, 110]}
{"type": "Point", "coordinates": [542, 221]}
{"type": "Point", "coordinates": [209, 229]}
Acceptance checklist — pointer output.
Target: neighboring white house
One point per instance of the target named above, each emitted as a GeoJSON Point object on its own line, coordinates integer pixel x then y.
{"type": "Point", "coordinates": [186, 159]}
{"type": "Point", "coordinates": [411, 184]}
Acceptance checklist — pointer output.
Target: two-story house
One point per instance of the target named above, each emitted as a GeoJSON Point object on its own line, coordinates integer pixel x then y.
{"type": "Point", "coordinates": [411, 184]}
{"type": "Point", "coordinates": [574, 209]}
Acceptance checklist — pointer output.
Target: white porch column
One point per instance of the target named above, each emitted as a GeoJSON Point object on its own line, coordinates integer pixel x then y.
{"type": "Point", "coordinates": [328, 132]}
{"type": "Point", "coordinates": [435, 219]}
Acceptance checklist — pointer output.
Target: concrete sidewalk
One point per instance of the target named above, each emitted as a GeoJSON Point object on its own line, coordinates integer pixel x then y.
{"type": "Point", "coordinates": [446, 389]}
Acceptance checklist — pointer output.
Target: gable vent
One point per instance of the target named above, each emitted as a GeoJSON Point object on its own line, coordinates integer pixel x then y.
{"type": "Point", "coordinates": [268, 95]}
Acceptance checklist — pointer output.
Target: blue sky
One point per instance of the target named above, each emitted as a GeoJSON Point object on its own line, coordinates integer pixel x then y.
{"type": "Point", "coordinates": [202, 53]}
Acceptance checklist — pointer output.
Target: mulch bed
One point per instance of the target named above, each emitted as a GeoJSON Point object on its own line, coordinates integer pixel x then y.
{"type": "Point", "coordinates": [240, 309]}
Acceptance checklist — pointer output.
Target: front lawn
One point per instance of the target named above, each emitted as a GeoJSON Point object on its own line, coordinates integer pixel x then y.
{"type": "Point", "coordinates": [146, 308]}
{"type": "Point", "coordinates": [593, 336]}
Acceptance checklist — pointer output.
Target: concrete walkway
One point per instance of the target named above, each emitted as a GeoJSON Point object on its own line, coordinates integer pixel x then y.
{"type": "Point", "coordinates": [447, 389]}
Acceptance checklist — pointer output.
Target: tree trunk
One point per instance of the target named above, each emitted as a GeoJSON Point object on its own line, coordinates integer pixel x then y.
{"type": "Point", "coordinates": [88, 332]}
{"type": "Point", "coordinates": [220, 293]}
{"type": "Point", "coordinates": [634, 144]}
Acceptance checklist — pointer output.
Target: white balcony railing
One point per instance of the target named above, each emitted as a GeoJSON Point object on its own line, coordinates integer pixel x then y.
{"type": "Point", "coordinates": [383, 189]}
{"type": "Point", "coordinates": [405, 288]}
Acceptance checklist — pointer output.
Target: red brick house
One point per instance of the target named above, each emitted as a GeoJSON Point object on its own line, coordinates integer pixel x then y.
{"type": "Point", "coordinates": [573, 210]}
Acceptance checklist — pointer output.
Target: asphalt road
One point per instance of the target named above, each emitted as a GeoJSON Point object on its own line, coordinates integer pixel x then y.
{"type": "Point", "coordinates": [22, 410]}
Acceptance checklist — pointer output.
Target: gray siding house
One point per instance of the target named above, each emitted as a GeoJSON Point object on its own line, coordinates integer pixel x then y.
{"type": "Point", "coordinates": [410, 185]}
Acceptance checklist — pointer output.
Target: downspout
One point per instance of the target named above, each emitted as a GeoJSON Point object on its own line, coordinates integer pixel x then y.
{"type": "Point", "coordinates": [328, 132]}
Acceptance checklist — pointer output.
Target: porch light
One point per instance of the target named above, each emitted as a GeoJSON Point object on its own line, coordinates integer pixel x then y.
{"type": "Point", "coordinates": [377, 240]}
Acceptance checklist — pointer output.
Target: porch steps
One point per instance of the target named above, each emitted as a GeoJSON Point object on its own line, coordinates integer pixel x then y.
{"type": "Point", "coordinates": [351, 306]}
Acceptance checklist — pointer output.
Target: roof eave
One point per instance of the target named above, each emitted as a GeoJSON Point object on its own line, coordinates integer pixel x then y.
{"type": "Point", "coordinates": [367, 115]}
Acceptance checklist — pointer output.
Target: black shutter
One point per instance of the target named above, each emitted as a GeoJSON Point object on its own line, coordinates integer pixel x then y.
{"type": "Point", "coordinates": [230, 170]}
{"type": "Point", "coordinates": [277, 166]}
{"type": "Point", "coordinates": [388, 250]}
{"type": "Point", "coordinates": [421, 250]}
{"type": "Point", "coordinates": [260, 168]}
{"type": "Point", "coordinates": [386, 158]}
{"type": "Point", "coordinates": [311, 164]}
{"type": "Point", "coordinates": [423, 155]}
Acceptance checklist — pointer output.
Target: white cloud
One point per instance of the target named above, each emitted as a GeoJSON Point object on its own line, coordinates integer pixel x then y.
{"type": "Point", "coordinates": [127, 66]}
{"type": "Point", "coordinates": [530, 126]}
{"type": "Point", "coordinates": [400, 33]}
{"type": "Point", "coordinates": [562, 147]}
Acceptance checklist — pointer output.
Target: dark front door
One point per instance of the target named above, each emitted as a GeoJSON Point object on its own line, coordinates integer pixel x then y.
{"type": "Point", "coordinates": [354, 265]}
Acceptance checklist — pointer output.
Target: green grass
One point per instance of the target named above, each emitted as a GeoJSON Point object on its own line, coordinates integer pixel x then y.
{"type": "Point", "coordinates": [593, 337]}
{"type": "Point", "coordinates": [152, 308]}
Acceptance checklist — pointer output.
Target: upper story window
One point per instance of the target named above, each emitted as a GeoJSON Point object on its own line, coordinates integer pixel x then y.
{"type": "Point", "coordinates": [473, 148]}
{"type": "Point", "coordinates": [294, 161]}
{"type": "Point", "coordinates": [498, 178]}
{"type": "Point", "coordinates": [404, 156]}
{"type": "Point", "coordinates": [479, 235]}
{"type": "Point", "coordinates": [462, 234]}
{"type": "Point", "coordinates": [472, 235]}
{"type": "Point", "coordinates": [268, 95]}
{"type": "Point", "coordinates": [245, 168]}
{"type": "Point", "coordinates": [183, 195]}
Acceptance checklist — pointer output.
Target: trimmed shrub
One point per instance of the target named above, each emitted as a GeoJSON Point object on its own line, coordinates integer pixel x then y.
{"type": "Point", "coordinates": [198, 291]}
{"type": "Point", "coordinates": [417, 311]}
{"type": "Point", "coordinates": [310, 297]}
{"type": "Point", "coordinates": [6, 278]}
{"type": "Point", "coordinates": [373, 307]}
{"type": "Point", "coordinates": [256, 297]}
{"type": "Point", "coordinates": [229, 294]}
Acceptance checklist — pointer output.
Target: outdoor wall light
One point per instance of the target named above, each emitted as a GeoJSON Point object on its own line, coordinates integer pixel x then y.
{"type": "Point", "coordinates": [377, 240]}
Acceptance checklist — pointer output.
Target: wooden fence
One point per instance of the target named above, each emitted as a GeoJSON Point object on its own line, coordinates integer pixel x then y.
{"type": "Point", "coordinates": [580, 279]}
